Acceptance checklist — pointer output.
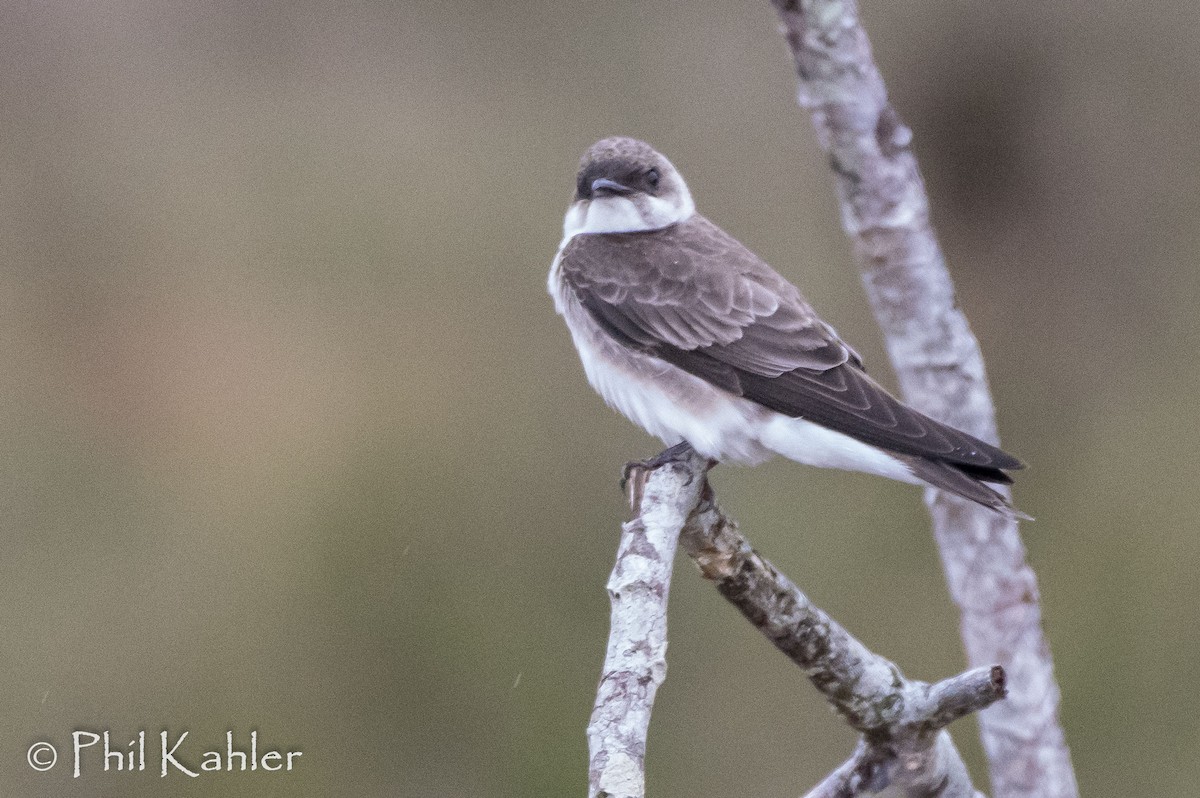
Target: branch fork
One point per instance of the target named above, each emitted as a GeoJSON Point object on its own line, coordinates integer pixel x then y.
{"type": "Point", "coordinates": [904, 746]}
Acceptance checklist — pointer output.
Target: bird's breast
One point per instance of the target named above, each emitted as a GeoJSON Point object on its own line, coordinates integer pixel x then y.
{"type": "Point", "coordinates": [662, 399]}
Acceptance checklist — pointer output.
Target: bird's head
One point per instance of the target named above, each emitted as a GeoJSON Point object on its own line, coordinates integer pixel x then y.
{"type": "Point", "coordinates": [625, 185]}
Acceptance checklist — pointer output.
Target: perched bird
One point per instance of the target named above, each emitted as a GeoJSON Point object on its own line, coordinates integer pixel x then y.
{"type": "Point", "coordinates": [698, 341]}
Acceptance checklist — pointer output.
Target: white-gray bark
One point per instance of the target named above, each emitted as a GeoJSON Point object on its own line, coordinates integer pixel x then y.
{"type": "Point", "coordinates": [904, 750]}
{"type": "Point", "coordinates": [636, 660]}
{"type": "Point", "coordinates": [937, 359]}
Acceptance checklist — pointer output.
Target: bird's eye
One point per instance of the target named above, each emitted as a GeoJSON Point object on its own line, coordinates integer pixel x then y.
{"type": "Point", "coordinates": [652, 178]}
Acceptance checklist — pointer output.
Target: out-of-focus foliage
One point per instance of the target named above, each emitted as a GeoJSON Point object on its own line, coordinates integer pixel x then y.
{"type": "Point", "coordinates": [292, 440]}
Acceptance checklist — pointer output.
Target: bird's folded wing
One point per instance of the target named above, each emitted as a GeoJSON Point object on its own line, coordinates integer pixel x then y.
{"type": "Point", "coordinates": [693, 296]}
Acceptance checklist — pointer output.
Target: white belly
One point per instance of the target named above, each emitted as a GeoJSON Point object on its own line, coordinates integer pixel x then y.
{"type": "Point", "coordinates": [673, 405]}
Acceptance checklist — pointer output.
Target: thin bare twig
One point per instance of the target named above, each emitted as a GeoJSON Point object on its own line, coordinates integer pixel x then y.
{"type": "Point", "coordinates": [937, 359]}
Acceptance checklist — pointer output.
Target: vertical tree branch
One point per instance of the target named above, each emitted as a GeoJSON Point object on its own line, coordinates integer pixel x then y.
{"type": "Point", "coordinates": [636, 661]}
{"type": "Point", "coordinates": [937, 359]}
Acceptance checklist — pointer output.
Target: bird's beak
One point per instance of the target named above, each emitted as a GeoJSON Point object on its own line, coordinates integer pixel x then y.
{"type": "Point", "coordinates": [603, 184]}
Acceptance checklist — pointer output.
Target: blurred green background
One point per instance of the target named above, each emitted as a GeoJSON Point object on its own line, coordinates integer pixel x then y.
{"type": "Point", "coordinates": [292, 439]}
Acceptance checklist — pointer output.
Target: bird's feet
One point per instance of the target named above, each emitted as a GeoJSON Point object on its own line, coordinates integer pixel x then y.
{"type": "Point", "coordinates": [674, 454]}
{"type": "Point", "coordinates": [636, 472]}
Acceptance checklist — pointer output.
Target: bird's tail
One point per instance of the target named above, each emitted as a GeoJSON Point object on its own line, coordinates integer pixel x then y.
{"type": "Point", "coordinates": [968, 482]}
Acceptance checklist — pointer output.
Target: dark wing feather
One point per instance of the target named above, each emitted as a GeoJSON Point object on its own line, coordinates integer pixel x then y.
{"type": "Point", "coordinates": [693, 296]}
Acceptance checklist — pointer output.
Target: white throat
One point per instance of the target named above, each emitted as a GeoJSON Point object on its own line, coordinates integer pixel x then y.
{"type": "Point", "coordinates": [627, 214]}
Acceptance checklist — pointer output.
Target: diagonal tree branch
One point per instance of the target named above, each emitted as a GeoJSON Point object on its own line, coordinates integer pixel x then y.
{"type": "Point", "coordinates": [937, 359]}
{"type": "Point", "coordinates": [904, 746]}
{"type": "Point", "coordinates": [861, 685]}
